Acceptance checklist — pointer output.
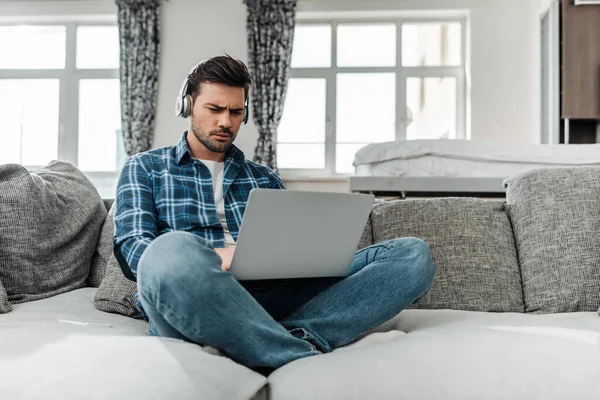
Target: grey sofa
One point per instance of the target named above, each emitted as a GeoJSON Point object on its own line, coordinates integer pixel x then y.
{"type": "Point", "coordinates": [512, 314]}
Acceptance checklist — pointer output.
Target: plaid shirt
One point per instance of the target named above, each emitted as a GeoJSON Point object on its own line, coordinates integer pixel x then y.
{"type": "Point", "coordinates": [165, 190]}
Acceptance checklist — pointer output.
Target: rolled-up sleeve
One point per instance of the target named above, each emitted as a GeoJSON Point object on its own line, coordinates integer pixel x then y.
{"type": "Point", "coordinates": [135, 215]}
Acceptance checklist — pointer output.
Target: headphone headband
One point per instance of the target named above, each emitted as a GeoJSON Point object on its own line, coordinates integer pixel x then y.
{"type": "Point", "coordinates": [183, 103]}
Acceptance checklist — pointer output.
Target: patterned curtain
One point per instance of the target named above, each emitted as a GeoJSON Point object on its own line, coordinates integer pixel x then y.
{"type": "Point", "coordinates": [139, 37]}
{"type": "Point", "coordinates": [270, 25]}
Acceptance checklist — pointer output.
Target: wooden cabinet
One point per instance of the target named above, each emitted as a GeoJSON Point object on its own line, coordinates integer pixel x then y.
{"type": "Point", "coordinates": [570, 73]}
{"type": "Point", "coordinates": [580, 61]}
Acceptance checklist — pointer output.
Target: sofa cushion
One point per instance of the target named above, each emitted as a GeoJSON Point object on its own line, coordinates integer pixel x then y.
{"type": "Point", "coordinates": [99, 362]}
{"type": "Point", "coordinates": [116, 293]}
{"type": "Point", "coordinates": [556, 220]}
{"type": "Point", "coordinates": [472, 246]}
{"type": "Point", "coordinates": [455, 355]}
{"type": "Point", "coordinates": [104, 250]}
{"type": "Point", "coordinates": [60, 364]}
{"type": "Point", "coordinates": [51, 219]}
{"type": "Point", "coordinates": [76, 305]}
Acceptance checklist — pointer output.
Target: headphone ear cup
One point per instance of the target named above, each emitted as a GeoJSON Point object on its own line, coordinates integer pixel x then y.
{"type": "Point", "coordinates": [185, 106]}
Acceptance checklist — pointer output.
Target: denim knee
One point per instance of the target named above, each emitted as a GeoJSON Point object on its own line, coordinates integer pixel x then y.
{"type": "Point", "coordinates": [422, 268]}
{"type": "Point", "coordinates": [174, 258]}
{"type": "Point", "coordinates": [426, 265]}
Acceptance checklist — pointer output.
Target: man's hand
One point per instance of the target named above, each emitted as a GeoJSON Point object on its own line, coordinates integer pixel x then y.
{"type": "Point", "coordinates": [226, 255]}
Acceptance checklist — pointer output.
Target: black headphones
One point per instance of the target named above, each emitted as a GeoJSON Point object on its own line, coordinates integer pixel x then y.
{"type": "Point", "coordinates": [184, 101]}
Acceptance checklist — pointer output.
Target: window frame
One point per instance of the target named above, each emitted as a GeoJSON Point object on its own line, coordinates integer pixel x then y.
{"type": "Point", "coordinates": [69, 79]}
{"type": "Point", "coordinates": [402, 74]}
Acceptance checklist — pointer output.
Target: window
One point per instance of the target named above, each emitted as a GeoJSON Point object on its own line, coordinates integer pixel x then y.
{"type": "Point", "coordinates": [353, 83]}
{"type": "Point", "coordinates": [59, 96]}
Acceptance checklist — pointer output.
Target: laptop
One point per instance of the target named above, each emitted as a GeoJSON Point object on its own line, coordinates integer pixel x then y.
{"type": "Point", "coordinates": [294, 234]}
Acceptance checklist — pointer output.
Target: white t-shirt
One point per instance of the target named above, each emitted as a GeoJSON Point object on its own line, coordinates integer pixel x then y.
{"type": "Point", "coordinates": [217, 171]}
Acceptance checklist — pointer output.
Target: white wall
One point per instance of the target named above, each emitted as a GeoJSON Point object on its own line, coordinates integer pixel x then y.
{"type": "Point", "coordinates": [543, 4]}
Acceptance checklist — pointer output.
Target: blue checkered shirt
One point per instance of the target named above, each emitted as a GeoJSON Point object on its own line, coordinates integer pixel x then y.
{"type": "Point", "coordinates": [165, 190]}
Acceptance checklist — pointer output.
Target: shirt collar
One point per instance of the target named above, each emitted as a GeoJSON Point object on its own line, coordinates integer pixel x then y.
{"type": "Point", "coordinates": [182, 150]}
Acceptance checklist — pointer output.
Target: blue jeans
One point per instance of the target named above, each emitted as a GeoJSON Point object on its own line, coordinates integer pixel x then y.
{"type": "Point", "coordinates": [260, 324]}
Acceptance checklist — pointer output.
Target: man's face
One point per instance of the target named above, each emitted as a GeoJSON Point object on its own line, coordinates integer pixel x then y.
{"type": "Point", "coordinates": [216, 115]}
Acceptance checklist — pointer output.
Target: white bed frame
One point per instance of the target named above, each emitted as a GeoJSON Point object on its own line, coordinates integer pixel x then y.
{"type": "Point", "coordinates": [428, 186]}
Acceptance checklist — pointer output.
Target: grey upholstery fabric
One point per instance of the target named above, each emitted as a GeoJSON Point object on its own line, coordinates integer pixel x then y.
{"type": "Point", "coordinates": [556, 220]}
{"type": "Point", "coordinates": [270, 28]}
{"type": "Point", "coordinates": [51, 220]}
{"type": "Point", "coordinates": [104, 250]}
{"type": "Point", "coordinates": [76, 305]}
{"type": "Point", "coordinates": [139, 39]}
{"type": "Point", "coordinates": [5, 306]}
{"type": "Point", "coordinates": [367, 236]}
{"type": "Point", "coordinates": [116, 293]}
{"type": "Point", "coordinates": [96, 362]}
{"type": "Point", "coordinates": [472, 246]}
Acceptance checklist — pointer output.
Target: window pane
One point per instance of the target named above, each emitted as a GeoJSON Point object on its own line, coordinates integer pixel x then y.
{"type": "Point", "coordinates": [99, 124]}
{"type": "Point", "coordinates": [29, 121]}
{"type": "Point", "coordinates": [363, 45]}
{"type": "Point", "coordinates": [32, 47]}
{"type": "Point", "coordinates": [432, 105]}
{"type": "Point", "coordinates": [312, 46]}
{"type": "Point", "coordinates": [431, 44]}
{"type": "Point", "coordinates": [303, 119]}
{"type": "Point", "coordinates": [97, 47]}
{"type": "Point", "coordinates": [305, 156]}
{"type": "Point", "coordinates": [366, 108]}
{"type": "Point", "coordinates": [344, 157]}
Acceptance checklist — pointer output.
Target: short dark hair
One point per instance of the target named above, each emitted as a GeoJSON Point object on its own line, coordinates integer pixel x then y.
{"type": "Point", "coordinates": [221, 69]}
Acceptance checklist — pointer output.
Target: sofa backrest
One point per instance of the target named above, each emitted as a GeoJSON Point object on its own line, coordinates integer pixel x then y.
{"type": "Point", "coordinates": [555, 213]}
{"type": "Point", "coordinates": [538, 252]}
{"type": "Point", "coordinates": [472, 245]}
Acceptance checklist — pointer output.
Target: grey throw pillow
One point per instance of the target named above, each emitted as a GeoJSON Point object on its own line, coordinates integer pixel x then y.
{"type": "Point", "coordinates": [556, 219]}
{"type": "Point", "coordinates": [104, 250]}
{"type": "Point", "coordinates": [50, 223]}
{"type": "Point", "coordinates": [5, 306]}
{"type": "Point", "coordinates": [472, 246]}
{"type": "Point", "coordinates": [116, 293]}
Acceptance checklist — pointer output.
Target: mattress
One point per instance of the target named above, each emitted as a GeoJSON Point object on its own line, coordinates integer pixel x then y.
{"type": "Point", "coordinates": [467, 158]}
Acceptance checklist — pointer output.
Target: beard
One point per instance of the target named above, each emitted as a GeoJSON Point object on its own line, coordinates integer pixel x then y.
{"type": "Point", "coordinates": [214, 145]}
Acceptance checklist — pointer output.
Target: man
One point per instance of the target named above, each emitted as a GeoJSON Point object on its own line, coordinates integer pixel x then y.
{"type": "Point", "coordinates": [178, 215]}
